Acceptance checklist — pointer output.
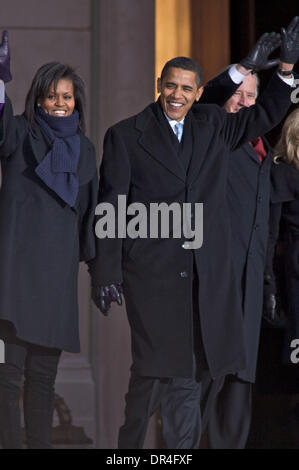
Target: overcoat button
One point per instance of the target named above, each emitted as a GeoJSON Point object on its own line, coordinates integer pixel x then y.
{"type": "Point", "coordinates": [184, 274]}
{"type": "Point", "coordinates": [186, 246]}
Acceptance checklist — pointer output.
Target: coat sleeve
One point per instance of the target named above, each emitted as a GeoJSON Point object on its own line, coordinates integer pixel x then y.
{"type": "Point", "coordinates": [236, 129]}
{"type": "Point", "coordinates": [249, 123]}
{"type": "Point", "coordinates": [115, 175]}
{"type": "Point", "coordinates": [9, 130]}
{"type": "Point", "coordinates": [219, 90]}
{"type": "Point", "coordinates": [87, 233]}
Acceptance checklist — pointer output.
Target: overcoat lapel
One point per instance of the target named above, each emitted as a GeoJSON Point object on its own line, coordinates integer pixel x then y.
{"type": "Point", "coordinates": [155, 142]}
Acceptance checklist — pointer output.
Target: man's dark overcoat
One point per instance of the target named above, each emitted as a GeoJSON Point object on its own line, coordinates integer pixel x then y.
{"type": "Point", "coordinates": [42, 239]}
{"type": "Point", "coordinates": [157, 273]}
{"type": "Point", "coordinates": [248, 195]}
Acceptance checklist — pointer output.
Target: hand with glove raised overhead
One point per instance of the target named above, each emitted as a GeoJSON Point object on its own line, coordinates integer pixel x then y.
{"type": "Point", "coordinates": [103, 296]}
{"type": "Point", "coordinates": [5, 74]}
{"type": "Point", "coordinates": [258, 58]}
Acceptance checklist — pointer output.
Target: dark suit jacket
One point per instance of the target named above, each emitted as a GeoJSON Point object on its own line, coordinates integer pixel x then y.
{"type": "Point", "coordinates": [140, 163]}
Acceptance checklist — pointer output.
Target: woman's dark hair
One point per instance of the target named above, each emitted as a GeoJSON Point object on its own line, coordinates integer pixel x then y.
{"type": "Point", "coordinates": [52, 73]}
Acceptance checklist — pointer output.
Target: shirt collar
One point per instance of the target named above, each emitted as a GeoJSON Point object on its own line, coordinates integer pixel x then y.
{"type": "Point", "coordinates": [173, 122]}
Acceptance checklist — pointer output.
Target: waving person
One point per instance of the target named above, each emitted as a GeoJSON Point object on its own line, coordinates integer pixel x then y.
{"type": "Point", "coordinates": [47, 200]}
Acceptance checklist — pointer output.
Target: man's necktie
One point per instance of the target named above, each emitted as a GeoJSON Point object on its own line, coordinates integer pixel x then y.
{"type": "Point", "coordinates": [178, 130]}
{"type": "Point", "coordinates": [259, 147]}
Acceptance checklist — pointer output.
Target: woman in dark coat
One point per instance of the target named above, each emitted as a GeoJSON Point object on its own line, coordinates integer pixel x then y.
{"type": "Point", "coordinates": [285, 209]}
{"type": "Point", "coordinates": [47, 202]}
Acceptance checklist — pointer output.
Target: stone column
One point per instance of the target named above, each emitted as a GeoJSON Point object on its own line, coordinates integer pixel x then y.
{"type": "Point", "coordinates": [123, 65]}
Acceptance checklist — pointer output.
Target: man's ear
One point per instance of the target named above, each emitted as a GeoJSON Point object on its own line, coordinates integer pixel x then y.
{"type": "Point", "coordinates": [199, 93]}
{"type": "Point", "coordinates": [159, 85]}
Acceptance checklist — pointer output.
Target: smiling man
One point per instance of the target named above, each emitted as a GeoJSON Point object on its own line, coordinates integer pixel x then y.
{"type": "Point", "coordinates": [182, 304]}
{"type": "Point", "coordinates": [179, 89]}
{"type": "Point", "coordinates": [245, 95]}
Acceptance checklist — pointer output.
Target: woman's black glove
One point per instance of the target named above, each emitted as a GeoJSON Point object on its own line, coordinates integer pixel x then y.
{"type": "Point", "coordinates": [5, 74]}
{"type": "Point", "coordinates": [258, 58]}
{"type": "Point", "coordinates": [290, 42]}
{"type": "Point", "coordinates": [103, 296]}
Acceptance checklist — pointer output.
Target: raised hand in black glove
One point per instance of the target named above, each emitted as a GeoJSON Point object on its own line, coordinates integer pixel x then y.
{"type": "Point", "coordinates": [290, 42]}
{"type": "Point", "coordinates": [258, 58]}
{"type": "Point", "coordinates": [103, 296]}
{"type": "Point", "coordinates": [5, 74]}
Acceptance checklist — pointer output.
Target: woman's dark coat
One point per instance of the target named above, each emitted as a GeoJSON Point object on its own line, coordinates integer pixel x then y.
{"type": "Point", "coordinates": [139, 162]}
{"type": "Point", "coordinates": [42, 239]}
{"type": "Point", "coordinates": [285, 209]}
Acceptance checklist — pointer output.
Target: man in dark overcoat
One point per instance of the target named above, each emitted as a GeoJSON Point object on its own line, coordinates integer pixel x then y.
{"type": "Point", "coordinates": [248, 194]}
{"type": "Point", "coordinates": [183, 304]}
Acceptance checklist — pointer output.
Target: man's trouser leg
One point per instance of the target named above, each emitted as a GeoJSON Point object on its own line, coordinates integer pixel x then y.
{"type": "Point", "coordinates": [230, 415]}
{"type": "Point", "coordinates": [142, 400]}
{"type": "Point", "coordinates": [186, 405]}
{"type": "Point", "coordinates": [183, 411]}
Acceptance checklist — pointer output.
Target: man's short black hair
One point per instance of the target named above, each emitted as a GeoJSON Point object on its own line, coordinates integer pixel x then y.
{"type": "Point", "coordinates": [184, 63]}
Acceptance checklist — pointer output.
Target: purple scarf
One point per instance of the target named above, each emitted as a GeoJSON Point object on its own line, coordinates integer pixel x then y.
{"type": "Point", "coordinates": [58, 169]}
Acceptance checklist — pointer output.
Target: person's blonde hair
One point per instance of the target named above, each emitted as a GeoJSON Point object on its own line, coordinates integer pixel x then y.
{"type": "Point", "coordinates": [287, 148]}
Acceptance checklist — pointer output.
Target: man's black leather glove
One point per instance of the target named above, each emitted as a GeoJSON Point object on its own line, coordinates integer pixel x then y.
{"type": "Point", "coordinates": [258, 58]}
{"type": "Point", "coordinates": [290, 42]}
{"type": "Point", "coordinates": [5, 74]}
{"type": "Point", "coordinates": [103, 296]}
